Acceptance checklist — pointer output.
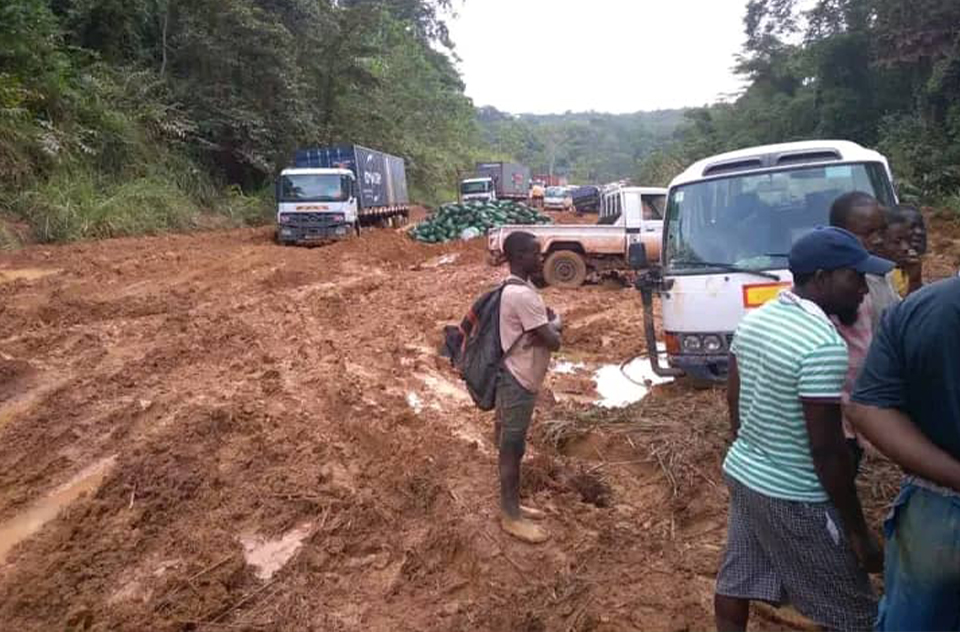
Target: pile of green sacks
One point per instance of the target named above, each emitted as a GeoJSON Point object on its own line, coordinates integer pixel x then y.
{"type": "Point", "coordinates": [472, 219]}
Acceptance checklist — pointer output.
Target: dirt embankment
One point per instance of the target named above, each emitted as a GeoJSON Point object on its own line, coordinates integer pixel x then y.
{"type": "Point", "coordinates": [263, 438]}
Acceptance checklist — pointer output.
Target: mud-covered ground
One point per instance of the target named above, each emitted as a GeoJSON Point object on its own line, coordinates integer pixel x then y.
{"type": "Point", "coordinates": [240, 436]}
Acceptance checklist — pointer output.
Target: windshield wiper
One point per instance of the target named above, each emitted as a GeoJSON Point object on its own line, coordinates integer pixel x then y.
{"type": "Point", "coordinates": [729, 267]}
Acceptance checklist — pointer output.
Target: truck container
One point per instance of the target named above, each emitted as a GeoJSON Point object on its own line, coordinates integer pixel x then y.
{"type": "Point", "coordinates": [330, 192]}
{"type": "Point", "coordinates": [550, 181]}
{"type": "Point", "coordinates": [381, 178]}
{"type": "Point", "coordinates": [510, 180]}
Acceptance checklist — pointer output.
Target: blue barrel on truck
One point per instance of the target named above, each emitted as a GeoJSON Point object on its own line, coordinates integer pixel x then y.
{"type": "Point", "coordinates": [381, 178]}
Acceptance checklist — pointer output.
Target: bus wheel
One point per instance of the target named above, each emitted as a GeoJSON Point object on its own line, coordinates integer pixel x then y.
{"type": "Point", "coordinates": [565, 268]}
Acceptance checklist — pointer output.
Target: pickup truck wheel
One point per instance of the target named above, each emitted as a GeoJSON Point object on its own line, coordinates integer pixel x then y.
{"type": "Point", "coordinates": [565, 268]}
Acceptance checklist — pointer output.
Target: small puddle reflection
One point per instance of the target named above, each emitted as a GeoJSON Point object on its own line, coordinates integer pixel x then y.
{"type": "Point", "coordinates": [618, 388]}
{"type": "Point", "coordinates": [269, 556]}
{"type": "Point", "coordinates": [26, 274]}
{"type": "Point", "coordinates": [28, 522]}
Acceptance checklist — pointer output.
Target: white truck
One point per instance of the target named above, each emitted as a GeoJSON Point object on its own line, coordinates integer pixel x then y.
{"type": "Point", "coordinates": [330, 192]}
{"type": "Point", "coordinates": [478, 189]}
{"type": "Point", "coordinates": [496, 181]}
{"type": "Point", "coordinates": [730, 222]}
{"type": "Point", "coordinates": [574, 252]}
{"type": "Point", "coordinates": [557, 199]}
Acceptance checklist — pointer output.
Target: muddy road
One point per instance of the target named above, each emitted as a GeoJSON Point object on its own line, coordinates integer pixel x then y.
{"type": "Point", "coordinates": [211, 432]}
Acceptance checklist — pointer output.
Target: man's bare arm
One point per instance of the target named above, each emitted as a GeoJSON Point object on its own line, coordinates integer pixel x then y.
{"type": "Point", "coordinates": [835, 470]}
{"type": "Point", "coordinates": [549, 336]}
{"type": "Point", "coordinates": [896, 436]}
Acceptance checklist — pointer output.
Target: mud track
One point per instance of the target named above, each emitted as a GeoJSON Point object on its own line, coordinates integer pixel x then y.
{"type": "Point", "coordinates": [240, 436]}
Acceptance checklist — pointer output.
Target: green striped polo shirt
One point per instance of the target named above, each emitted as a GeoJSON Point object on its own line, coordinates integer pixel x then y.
{"type": "Point", "coordinates": [785, 350]}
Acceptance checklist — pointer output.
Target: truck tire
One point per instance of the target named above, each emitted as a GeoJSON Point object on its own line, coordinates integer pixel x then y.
{"type": "Point", "coordinates": [565, 268]}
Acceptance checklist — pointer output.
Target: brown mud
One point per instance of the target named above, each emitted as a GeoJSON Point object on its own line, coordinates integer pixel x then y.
{"type": "Point", "coordinates": [266, 439]}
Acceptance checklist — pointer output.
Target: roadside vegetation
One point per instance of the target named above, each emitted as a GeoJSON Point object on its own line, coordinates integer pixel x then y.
{"type": "Point", "coordinates": [121, 117]}
{"type": "Point", "coordinates": [884, 73]}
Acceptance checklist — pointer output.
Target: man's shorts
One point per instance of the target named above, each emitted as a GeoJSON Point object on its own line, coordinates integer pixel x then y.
{"type": "Point", "coordinates": [782, 551]}
{"type": "Point", "coordinates": [515, 406]}
{"type": "Point", "coordinates": [922, 563]}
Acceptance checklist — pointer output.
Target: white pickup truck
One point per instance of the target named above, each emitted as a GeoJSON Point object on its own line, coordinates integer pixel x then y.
{"type": "Point", "coordinates": [572, 252]}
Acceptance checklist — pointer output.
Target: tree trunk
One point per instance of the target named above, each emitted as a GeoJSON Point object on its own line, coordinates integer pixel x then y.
{"type": "Point", "coordinates": [163, 38]}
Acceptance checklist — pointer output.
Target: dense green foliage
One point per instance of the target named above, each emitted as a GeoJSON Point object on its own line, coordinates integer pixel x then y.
{"type": "Point", "coordinates": [132, 116]}
{"type": "Point", "coordinates": [885, 73]}
{"type": "Point", "coordinates": [137, 116]}
{"type": "Point", "coordinates": [586, 147]}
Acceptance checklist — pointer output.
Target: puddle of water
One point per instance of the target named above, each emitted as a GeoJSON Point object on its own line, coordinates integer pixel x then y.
{"type": "Point", "coordinates": [442, 260]}
{"type": "Point", "coordinates": [269, 556]}
{"type": "Point", "coordinates": [444, 389]}
{"type": "Point", "coordinates": [25, 274]}
{"type": "Point", "coordinates": [414, 402]}
{"type": "Point", "coordinates": [617, 390]}
{"type": "Point", "coordinates": [14, 409]}
{"type": "Point", "coordinates": [28, 522]}
{"type": "Point", "coordinates": [564, 367]}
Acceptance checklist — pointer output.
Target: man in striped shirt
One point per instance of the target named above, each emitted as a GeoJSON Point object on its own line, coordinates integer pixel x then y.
{"type": "Point", "coordinates": [796, 531]}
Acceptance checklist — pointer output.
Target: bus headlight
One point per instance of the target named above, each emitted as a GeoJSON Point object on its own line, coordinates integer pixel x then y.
{"type": "Point", "coordinates": [691, 343]}
{"type": "Point", "coordinates": [712, 344]}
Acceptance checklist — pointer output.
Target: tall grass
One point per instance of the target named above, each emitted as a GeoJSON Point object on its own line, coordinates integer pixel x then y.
{"type": "Point", "coordinates": [73, 205]}
{"type": "Point", "coordinates": [83, 204]}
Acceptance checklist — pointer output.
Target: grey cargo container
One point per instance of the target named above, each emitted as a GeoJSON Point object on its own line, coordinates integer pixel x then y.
{"type": "Point", "coordinates": [381, 178]}
{"type": "Point", "coordinates": [510, 180]}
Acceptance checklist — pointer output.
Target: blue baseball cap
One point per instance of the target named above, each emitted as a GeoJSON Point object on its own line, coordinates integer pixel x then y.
{"type": "Point", "coordinates": [831, 248]}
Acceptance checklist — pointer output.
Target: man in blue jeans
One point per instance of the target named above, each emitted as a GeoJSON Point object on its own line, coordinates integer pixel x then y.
{"type": "Point", "coordinates": [907, 403]}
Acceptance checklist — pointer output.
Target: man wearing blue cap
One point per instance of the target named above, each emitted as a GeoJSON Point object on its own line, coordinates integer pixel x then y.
{"type": "Point", "coordinates": [796, 531]}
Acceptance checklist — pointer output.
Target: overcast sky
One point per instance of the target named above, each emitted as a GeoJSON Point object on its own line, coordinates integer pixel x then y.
{"type": "Point", "coordinates": [550, 56]}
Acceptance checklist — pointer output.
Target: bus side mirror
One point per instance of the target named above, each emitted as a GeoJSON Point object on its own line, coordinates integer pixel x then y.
{"type": "Point", "coordinates": [637, 256]}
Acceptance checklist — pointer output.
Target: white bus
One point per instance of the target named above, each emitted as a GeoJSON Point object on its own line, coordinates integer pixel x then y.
{"type": "Point", "coordinates": [730, 222]}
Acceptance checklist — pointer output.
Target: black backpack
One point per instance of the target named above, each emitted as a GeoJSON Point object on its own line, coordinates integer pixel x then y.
{"type": "Point", "coordinates": [474, 347]}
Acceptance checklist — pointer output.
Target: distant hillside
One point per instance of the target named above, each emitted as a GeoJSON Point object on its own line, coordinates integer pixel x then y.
{"type": "Point", "coordinates": [585, 146]}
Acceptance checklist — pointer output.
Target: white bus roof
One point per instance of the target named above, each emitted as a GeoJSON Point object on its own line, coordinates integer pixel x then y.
{"type": "Point", "coordinates": [477, 180]}
{"type": "Point", "coordinates": [307, 171]}
{"type": "Point", "coordinates": [767, 157]}
{"type": "Point", "coordinates": [640, 190]}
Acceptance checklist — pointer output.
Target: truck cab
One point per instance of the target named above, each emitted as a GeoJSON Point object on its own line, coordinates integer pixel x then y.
{"type": "Point", "coordinates": [730, 223]}
{"type": "Point", "coordinates": [316, 204]}
{"type": "Point", "coordinates": [482, 189]}
{"type": "Point", "coordinates": [644, 207]}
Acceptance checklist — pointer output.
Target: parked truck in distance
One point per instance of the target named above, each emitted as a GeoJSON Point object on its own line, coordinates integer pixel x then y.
{"type": "Point", "coordinates": [330, 192]}
{"type": "Point", "coordinates": [574, 252]}
{"type": "Point", "coordinates": [496, 181]}
{"type": "Point", "coordinates": [549, 180]}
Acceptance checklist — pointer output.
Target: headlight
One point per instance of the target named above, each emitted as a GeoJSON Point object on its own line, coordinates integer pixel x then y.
{"type": "Point", "coordinates": [712, 344]}
{"type": "Point", "coordinates": [691, 343]}
{"type": "Point", "coordinates": [284, 219]}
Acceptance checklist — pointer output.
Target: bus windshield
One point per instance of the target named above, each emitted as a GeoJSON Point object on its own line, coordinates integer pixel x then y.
{"type": "Point", "coordinates": [751, 220]}
{"type": "Point", "coordinates": [314, 188]}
